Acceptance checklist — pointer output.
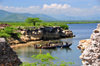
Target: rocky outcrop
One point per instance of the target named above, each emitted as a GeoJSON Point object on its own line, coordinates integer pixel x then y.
{"type": "Point", "coordinates": [2, 26]}
{"type": "Point", "coordinates": [91, 49]}
{"type": "Point", "coordinates": [42, 33]}
{"type": "Point", "coordinates": [7, 56]}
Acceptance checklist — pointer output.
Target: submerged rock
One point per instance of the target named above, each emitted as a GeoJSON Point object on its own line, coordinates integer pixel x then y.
{"type": "Point", "coordinates": [91, 53]}
{"type": "Point", "coordinates": [7, 56]}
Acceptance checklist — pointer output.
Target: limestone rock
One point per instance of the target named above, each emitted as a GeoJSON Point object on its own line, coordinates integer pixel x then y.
{"type": "Point", "coordinates": [42, 33]}
{"type": "Point", "coordinates": [46, 33]}
{"type": "Point", "coordinates": [68, 33]}
{"type": "Point", "coordinates": [83, 44]}
{"type": "Point", "coordinates": [24, 38]}
{"type": "Point", "coordinates": [91, 53]}
{"type": "Point", "coordinates": [12, 41]}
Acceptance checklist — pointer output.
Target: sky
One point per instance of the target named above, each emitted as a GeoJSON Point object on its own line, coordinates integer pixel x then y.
{"type": "Point", "coordinates": [53, 7]}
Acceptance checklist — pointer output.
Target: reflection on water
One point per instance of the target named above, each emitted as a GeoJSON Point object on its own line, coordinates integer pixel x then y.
{"type": "Point", "coordinates": [26, 52]}
{"type": "Point", "coordinates": [82, 31]}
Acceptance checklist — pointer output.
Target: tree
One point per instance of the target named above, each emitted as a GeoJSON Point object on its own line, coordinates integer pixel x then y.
{"type": "Point", "coordinates": [33, 20]}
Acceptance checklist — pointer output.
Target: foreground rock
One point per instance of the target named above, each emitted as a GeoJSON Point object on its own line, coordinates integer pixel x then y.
{"type": "Point", "coordinates": [43, 33]}
{"type": "Point", "coordinates": [91, 49]}
{"type": "Point", "coordinates": [7, 56]}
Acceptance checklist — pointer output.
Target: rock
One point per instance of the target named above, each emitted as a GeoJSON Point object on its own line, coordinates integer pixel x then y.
{"type": "Point", "coordinates": [68, 33]}
{"type": "Point", "coordinates": [12, 41]}
{"type": "Point", "coordinates": [7, 56]}
{"type": "Point", "coordinates": [91, 53]}
{"type": "Point", "coordinates": [24, 38]}
{"type": "Point", "coordinates": [2, 26]}
{"type": "Point", "coordinates": [83, 44]}
{"type": "Point", "coordinates": [2, 40]}
{"type": "Point", "coordinates": [42, 33]}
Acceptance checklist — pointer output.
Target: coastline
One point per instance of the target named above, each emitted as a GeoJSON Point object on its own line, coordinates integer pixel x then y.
{"type": "Point", "coordinates": [27, 44]}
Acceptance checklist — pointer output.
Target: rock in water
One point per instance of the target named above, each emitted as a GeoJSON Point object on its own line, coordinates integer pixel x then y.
{"type": "Point", "coordinates": [7, 56]}
{"type": "Point", "coordinates": [91, 53]}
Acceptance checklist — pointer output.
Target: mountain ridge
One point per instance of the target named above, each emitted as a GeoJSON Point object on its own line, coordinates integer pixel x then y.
{"type": "Point", "coordinates": [14, 17]}
{"type": "Point", "coordinates": [9, 16]}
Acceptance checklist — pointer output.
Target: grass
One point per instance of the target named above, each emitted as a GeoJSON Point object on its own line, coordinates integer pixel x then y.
{"type": "Point", "coordinates": [25, 24]}
{"type": "Point", "coordinates": [54, 23]}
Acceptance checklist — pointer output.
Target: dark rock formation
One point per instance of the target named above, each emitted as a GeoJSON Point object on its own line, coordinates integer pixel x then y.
{"type": "Point", "coordinates": [46, 33]}
{"type": "Point", "coordinates": [42, 33]}
{"type": "Point", "coordinates": [7, 56]}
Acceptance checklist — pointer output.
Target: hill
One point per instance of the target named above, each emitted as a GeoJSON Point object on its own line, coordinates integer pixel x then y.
{"type": "Point", "coordinates": [9, 16]}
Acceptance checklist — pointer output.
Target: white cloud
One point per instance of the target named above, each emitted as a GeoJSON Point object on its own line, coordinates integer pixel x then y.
{"type": "Point", "coordinates": [55, 9]}
{"type": "Point", "coordinates": [56, 6]}
{"type": "Point", "coordinates": [31, 9]}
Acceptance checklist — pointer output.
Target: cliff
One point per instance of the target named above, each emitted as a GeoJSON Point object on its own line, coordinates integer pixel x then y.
{"type": "Point", "coordinates": [42, 33]}
{"type": "Point", "coordinates": [91, 49]}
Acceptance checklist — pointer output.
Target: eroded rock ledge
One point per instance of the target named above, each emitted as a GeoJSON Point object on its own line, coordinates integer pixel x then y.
{"type": "Point", "coordinates": [42, 33]}
{"type": "Point", "coordinates": [91, 49]}
{"type": "Point", "coordinates": [7, 56]}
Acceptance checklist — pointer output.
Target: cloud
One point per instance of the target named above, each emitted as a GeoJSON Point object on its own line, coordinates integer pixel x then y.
{"type": "Point", "coordinates": [56, 6]}
{"type": "Point", "coordinates": [55, 9]}
{"type": "Point", "coordinates": [31, 9]}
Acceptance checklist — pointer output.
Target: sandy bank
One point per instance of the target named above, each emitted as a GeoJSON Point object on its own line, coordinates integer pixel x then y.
{"type": "Point", "coordinates": [28, 44]}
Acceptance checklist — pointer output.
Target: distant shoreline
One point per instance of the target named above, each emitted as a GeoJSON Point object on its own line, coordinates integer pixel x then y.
{"type": "Point", "coordinates": [65, 22]}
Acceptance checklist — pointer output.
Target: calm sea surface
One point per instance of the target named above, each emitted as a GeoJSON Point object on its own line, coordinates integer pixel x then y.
{"type": "Point", "coordinates": [82, 31]}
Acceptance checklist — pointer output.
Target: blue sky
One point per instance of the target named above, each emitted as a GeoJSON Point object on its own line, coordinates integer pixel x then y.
{"type": "Point", "coordinates": [53, 7]}
{"type": "Point", "coordinates": [74, 3]}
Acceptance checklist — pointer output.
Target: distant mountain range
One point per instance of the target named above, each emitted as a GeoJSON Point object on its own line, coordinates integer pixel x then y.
{"type": "Point", "coordinates": [9, 16]}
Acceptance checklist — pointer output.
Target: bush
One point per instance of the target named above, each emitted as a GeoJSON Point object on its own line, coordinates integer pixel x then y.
{"type": "Point", "coordinates": [64, 26]}
{"type": "Point", "coordinates": [46, 60]}
{"type": "Point", "coordinates": [8, 32]}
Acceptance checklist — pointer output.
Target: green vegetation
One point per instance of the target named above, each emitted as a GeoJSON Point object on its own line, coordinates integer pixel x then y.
{"type": "Point", "coordinates": [55, 23]}
{"type": "Point", "coordinates": [64, 26]}
{"type": "Point", "coordinates": [33, 20]}
{"type": "Point", "coordinates": [38, 24]}
{"type": "Point", "coordinates": [9, 32]}
{"type": "Point", "coordinates": [46, 60]}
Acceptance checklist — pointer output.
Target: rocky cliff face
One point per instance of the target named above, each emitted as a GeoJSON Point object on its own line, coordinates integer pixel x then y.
{"type": "Point", "coordinates": [43, 33]}
{"type": "Point", "coordinates": [7, 56]}
{"type": "Point", "coordinates": [91, 49]}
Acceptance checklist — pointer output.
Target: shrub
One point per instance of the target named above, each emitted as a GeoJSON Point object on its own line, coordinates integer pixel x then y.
{"type": "Point", "coordinates": [8, 32]}
{"type": "Point", "coordinates": [64, 26]}
{"type": "Point", "coordinates": [46, 60]}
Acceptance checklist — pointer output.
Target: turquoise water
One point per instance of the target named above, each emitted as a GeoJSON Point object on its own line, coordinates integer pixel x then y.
{"type": "Point", "coordinates": [82, 31]}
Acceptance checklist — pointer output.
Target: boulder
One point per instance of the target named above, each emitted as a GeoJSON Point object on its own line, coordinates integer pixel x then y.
{"type": "Point", "coordinates": [7, 56]}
